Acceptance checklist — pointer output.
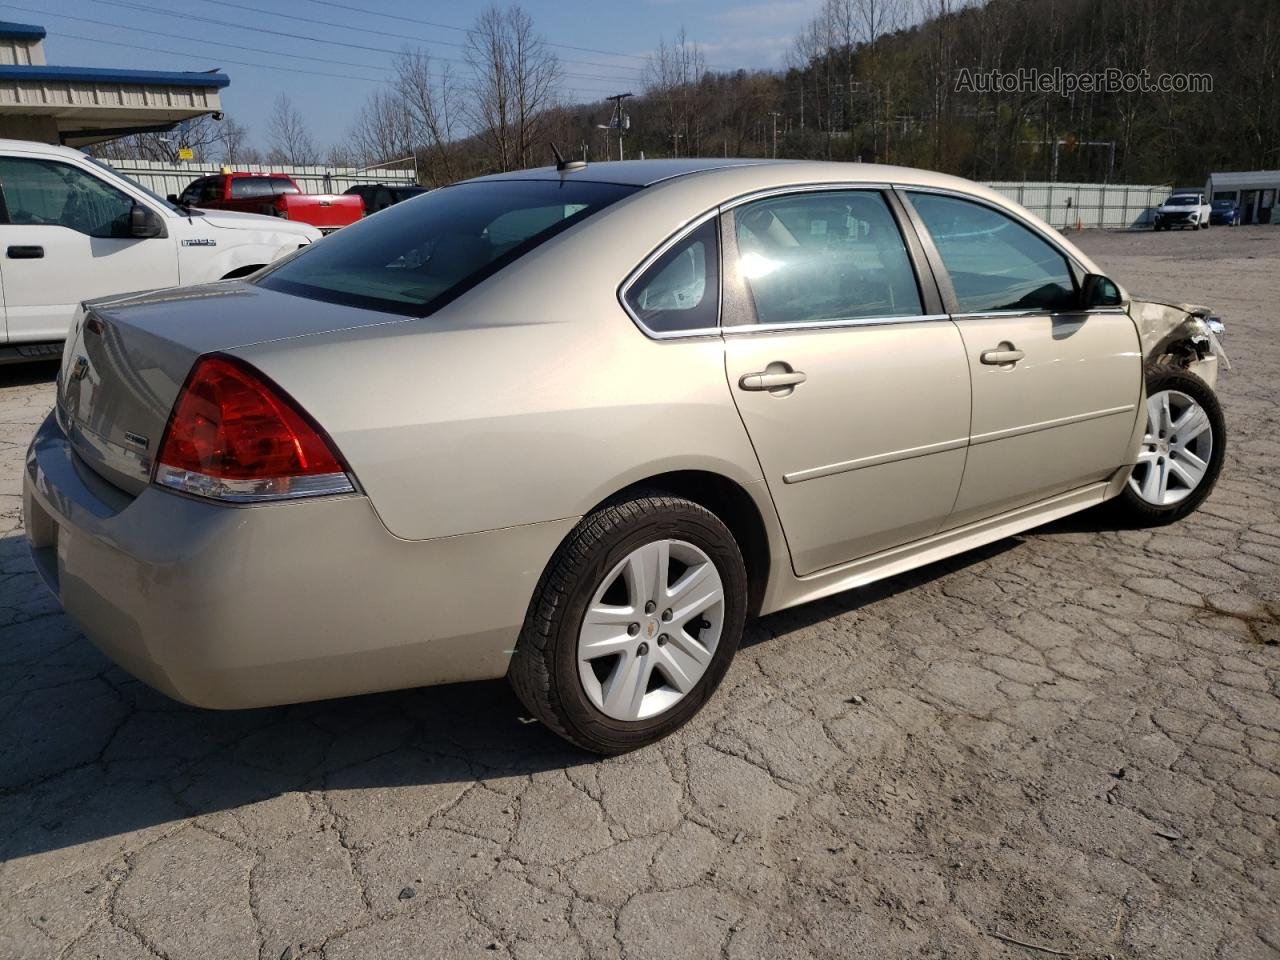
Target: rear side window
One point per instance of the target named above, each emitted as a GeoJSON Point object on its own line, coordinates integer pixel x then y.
{"type": "Point", "coordinates": [995, 263]}
{"type": "Point", "coordinates": [417, 257]}
{"type": "Point", "coordinates": [680, 291]}
{"type": "Point", "coordinates": [814, 257]}
{"type": "Point", "coordinates": [281, 185]}
{"type": "Point", "coordinates": [244, 188]}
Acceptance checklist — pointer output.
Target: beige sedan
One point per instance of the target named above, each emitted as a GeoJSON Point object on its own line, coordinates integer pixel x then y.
{"type": "Point", "coordinates": [574, 425]}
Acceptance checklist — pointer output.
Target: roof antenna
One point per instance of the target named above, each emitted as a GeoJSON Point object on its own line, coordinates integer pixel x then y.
{"type": "Point", "coordinates": [564, 165]}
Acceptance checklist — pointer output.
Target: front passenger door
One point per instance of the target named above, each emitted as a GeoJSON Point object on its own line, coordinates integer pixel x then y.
{"type": "Point", "coordinates": [854, 392]}
{"type": "Point", "coordinates": [1056, 388]}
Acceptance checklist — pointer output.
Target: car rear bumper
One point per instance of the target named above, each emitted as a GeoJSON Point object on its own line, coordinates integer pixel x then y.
{"type": "Point", "coordinates": [230, 606]}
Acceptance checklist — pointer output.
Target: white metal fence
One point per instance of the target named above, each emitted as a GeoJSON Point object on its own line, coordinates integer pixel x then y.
{"type": "Point", "coordinates": [166, 178]}
{"type": "Point", "coordinates": [1064, 205]}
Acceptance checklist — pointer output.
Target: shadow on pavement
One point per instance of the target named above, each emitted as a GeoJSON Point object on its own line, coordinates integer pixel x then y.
{"type": "Point", "coordinates": [89, 753]}
{"type": "Point", "coordinates": [28, 374]}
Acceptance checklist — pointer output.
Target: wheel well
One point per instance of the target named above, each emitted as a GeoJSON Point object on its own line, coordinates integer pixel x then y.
{"type": "Point", "coordinates": [244, 271]}
{"type": "Point", "coordinates": [734, 506]}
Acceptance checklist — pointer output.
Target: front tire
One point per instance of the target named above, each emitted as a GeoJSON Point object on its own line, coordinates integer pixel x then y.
{"type": "Point", "coordinates": [633, 624]}
{"type": "Point", "coordinates": [1183, 447]}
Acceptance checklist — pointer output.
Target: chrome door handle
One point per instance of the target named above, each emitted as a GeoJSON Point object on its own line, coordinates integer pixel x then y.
{"type": "Point", "coordinates": [769, 380]}
{"type": "Point", "coordinates": [1005, 353]}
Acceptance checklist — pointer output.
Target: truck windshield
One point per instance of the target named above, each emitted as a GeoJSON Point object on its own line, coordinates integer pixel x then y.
{"type": "Point", "coordinates": [414, 258]}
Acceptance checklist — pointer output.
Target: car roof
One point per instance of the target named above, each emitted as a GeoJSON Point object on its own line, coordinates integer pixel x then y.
{"type": "Point", "coordinates": [35, 146]}
{"type": "Point", "coordinates": [647, 173]}
{"type": "Point", "coordinates": [632, 173]}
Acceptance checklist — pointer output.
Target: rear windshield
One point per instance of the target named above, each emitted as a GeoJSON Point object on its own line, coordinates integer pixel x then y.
{"type": "Point", "coordinates": [414, 258]}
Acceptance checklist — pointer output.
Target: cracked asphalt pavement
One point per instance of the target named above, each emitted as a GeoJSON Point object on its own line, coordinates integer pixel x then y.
{"type": "Point", "coordinates": [1066, 744]}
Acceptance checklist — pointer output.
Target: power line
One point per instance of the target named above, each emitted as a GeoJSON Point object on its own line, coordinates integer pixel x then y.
{"type": "Point", "coordinates": [178, 36]}
{"type": "Point", "coordinates": [445, 26]}
{"type": "Point", "coordinates": [644, 58]}
{"type": "Point", "coordinates": [585, 95]}
{"type": "Point", "coordinates": [384, 33]}
{"type": "Point", "coordinates": [147, 8]}
{"type": "Point", "coordinates": [239, 63]}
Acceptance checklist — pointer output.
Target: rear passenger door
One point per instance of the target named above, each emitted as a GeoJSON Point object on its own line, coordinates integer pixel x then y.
{"type": "Point", "coordinates": [1056, 388]}
{"type": "Point", "coordinates": [851, 382]}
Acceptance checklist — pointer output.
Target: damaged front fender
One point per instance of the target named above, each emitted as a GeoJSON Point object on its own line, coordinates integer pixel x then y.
{"type": "Point", "coordinates": [1180, 333]}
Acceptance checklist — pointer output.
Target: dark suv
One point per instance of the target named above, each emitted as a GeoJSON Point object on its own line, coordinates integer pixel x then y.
{"type": "Point", "coordinates": [379, 196]}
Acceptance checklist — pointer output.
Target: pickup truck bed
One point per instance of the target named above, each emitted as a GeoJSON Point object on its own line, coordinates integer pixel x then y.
{"type": "Point", "coordinates": [274, 194]}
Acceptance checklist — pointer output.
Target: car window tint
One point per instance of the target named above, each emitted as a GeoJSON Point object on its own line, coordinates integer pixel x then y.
{"type": "Point", "coordinates": [995, 263]}
{"type": "Point", "coordinates": [281, 185]}
{"type": "Point", "coordinates": [193, 193]}
{"type": "Point", "coordinates": [825, 256]}
{"type": "Point", "coordinates": [49, 193]}
{"type": "Point", "coordinates": [414, 258]}
{"type": "Point", "coordinates": [681, 289]}
{"type": "Point", "coordinates": [243, 188]}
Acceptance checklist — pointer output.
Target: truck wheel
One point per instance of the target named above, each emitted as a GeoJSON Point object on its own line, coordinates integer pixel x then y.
{"type": "Point", "coordinates": [1182, 450]}
{"type": "Point", "coordinates": [633, 624]}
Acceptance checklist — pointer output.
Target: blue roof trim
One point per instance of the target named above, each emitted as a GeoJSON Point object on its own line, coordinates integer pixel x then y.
{"type": "Point", "coordinates": [21, 31]}
{"type": "Point", "coordinates": [103, 75]}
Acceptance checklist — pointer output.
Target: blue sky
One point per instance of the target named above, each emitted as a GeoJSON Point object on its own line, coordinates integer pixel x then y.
{"type": "Point", "coordinates": [748, 34]}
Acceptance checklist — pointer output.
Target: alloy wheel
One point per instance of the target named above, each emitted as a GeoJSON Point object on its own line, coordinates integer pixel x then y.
{"type": "Point", "coordinates": [1176, 449]}
{"type": "Point", "coordinates": [651, 630]}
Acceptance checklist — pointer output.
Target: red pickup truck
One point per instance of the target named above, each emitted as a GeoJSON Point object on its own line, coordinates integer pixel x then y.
{"type": "Point", "coordinates": [275, 194]}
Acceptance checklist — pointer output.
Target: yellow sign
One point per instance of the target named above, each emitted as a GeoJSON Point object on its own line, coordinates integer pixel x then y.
{"type": "Point", "coordinates": [186, 153]}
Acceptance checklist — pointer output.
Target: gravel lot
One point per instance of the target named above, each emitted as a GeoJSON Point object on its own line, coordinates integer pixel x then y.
{"type": "Point", "coordinates": [1069, 739]}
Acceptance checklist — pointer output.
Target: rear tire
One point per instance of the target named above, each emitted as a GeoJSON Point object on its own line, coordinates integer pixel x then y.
{"type": "Point", "coordinates": [650, 655]}
{"type": "Point", "coordinates": [1183, 447]}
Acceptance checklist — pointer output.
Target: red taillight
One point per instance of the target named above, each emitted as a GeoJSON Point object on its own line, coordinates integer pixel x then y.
{"type": "Point", "coordinates": [234, 435]}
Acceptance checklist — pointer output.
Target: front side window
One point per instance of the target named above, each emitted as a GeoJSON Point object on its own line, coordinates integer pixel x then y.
{"type": "Point", "coordinates": [814, 257]}
{"type": "Point", "coordinates": [417, 257]}
{"type": "Point", "coordinates": [283, 185]}
{"type": "Point", "coordinates": [995, 263]}
{"type": "Point", "coordinates": [49, 193]}
{"type": "Point", "coordinates": [680, 291]}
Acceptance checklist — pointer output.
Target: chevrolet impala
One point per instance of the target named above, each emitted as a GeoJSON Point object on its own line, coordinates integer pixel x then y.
{"type": "Point", "coordinates": [574, 425]}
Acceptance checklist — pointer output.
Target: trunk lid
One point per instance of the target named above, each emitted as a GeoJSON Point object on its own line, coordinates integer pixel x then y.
{"type": "Point", "coordinates": [126, 359]}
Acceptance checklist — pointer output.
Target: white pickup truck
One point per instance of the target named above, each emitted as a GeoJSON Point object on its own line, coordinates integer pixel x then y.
{"type": "Point", "coordinates": [1183, 210]}
{"type": "Point", "coordinates": [72, 229]}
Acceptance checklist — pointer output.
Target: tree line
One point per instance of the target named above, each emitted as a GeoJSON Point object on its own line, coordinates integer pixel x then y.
{"type": "Point", "coordinates": [892, 81]}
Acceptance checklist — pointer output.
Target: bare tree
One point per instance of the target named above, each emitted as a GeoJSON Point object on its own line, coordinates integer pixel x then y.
{"type": "Point", "coordinates": [290, 140]}
{"type": "Point", "coordinates": [198, 134]}
{"type": "Point", "coordinates": [383, 130]}
{"type": "Point", "coordinates": [431, 104]}
{"type": "Point", "coordinates": [233, 142]}
{"type": "Point", "coordinates": [671, 79]}
{"type": "Point", "coordinates": [515, 77]}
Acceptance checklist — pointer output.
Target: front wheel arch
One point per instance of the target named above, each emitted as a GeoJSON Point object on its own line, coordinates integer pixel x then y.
{"type": "Point", "coordinates": [244, 271]}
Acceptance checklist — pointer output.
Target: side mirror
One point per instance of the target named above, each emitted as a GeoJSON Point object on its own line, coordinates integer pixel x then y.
{"type": "Point", "coordinates": [144, 223]}
{"type": "Point", "coordinates": [1100, 291]}
{"type": "Point", "coordinates": [172, 198]}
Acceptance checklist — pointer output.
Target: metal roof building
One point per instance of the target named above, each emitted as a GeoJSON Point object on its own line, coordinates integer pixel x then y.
{"type": "Point", "coordinates": [1256, 191]}
{"type": "Point", "coordinates": [78, 106]}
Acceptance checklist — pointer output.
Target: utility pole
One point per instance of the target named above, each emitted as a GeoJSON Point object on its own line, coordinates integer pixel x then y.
{"type": "Point", "coordinates": [620, 121]}
{"type": "Point", "coordinates": [775, 115]}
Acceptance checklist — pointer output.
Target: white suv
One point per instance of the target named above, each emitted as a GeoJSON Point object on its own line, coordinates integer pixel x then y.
{"type": "Point", "coordinates": [72, 229]}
